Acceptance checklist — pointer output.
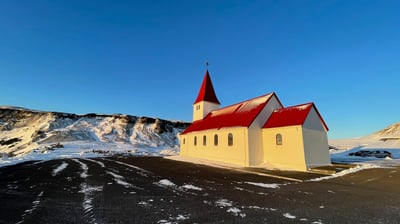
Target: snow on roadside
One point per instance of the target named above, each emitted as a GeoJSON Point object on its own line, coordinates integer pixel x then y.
{"type": "Point", "coordinates": [59, 169]}
{"type": "Point", "coordinates": [348, 171]}
{"type": "Point", "coordinates": [264, 185]}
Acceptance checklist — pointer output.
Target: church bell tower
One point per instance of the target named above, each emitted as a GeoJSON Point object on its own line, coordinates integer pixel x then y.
{"type": "Point", "coordinates": [206, 100]}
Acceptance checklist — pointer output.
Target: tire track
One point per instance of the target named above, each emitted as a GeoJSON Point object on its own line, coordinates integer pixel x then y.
{"type": "Point", "coordinates": [30, 211]}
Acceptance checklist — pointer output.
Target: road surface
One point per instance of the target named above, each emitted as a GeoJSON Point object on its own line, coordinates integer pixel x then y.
{"type": "Point", "coordinates": [158, 190]}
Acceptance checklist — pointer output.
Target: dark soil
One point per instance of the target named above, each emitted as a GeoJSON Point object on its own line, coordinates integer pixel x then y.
{"type": "Point", "coordinates": [130, 190]}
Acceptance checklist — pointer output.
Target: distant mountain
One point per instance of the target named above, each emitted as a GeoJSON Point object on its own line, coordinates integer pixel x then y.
{"type": "Point", "coordinates": [388, 137]}
{"type": "Point", "coordinates": [23, 130]}
{"type": "Point", "coordinates": [392, 131]}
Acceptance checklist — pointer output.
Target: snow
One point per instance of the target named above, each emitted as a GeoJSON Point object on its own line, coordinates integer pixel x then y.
{"type": "Point", "coordinates": [192, 187]}
{"type": "Point", "coordinates": [289, 216]}
{"type": "Point", "coordinates": [31, 135]}
{"type": "Point", "coordinates": [87, 202]}
{"type": "Point", "coordinates": [35, 205]}
{"type": "Point", "coordinates": [84, 168]}
{"type": "Point", "coordinates": [59, 168]}
{"type": "Point", "coordinates": [348, 171]}
{"type": "Point", "coordinates": [95, 161]}
{"type": "Point", "coordinates": [264, 185]}
{"type": "Point", "coordinates": [223, 203]}
{"type": "Point", "coordinates": [166, 182]}
{"type": "Point", "coordinates": [119, 179]}
{"type": "Point", "coordinates": [142, 172]}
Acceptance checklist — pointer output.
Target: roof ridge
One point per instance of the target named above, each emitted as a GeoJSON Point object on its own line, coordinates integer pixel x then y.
{"type": "Point", "coordinates": [271, 93]}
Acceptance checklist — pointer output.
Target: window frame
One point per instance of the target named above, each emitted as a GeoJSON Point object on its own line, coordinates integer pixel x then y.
{"type": "Point", "coordinates": [278, 139]}
{"type": "Point", "coordinates": [230, 139]}
{"type": "Point", "coordinates": [216, 140]}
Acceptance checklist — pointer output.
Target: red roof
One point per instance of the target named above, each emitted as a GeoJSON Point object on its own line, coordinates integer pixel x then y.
{"type": "Point", "coordinates": [289, 116]}
{"type": "Point", "coordinates": [207, 92]}
{"type": "Point", "coordinates": [237, 115]}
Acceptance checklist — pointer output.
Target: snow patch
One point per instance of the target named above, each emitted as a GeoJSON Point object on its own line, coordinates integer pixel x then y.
{"type": "Point", "coordinates": [347, 171]}
{"type": "Point", "coordinates": [119, 179]}
{"type": "Point", "coordinates": [264, 185]}
{"type": "Point", "coordinates": [192, 187]}
{"type": "Point", "coordinates": [95, 161]}
{"type": "Point", "coordinates": [289, 216]}
{"type": "Point", "coordinates": [167, 183]}
{"type": "Point", "coordinates": [59, 169]}
{"type": "Point", "coordinates": [84, 168]}
{"type": "Point", "coordinates": [142, 172]}
{"type": "Point", "coordinates": [223, 203]}
{"type": "Point", "coordinates": [87, 203]}
{"type": "Point", "coordinates": [35, 204]}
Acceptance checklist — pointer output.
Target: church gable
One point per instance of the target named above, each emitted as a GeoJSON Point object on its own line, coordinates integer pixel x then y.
{"type": "Point", "coordinates": [295, 115]}
{"type": "Point", "coordinates": [314, 121]}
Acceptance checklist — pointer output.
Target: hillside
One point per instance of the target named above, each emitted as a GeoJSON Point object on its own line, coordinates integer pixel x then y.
{"type": "Point", "coordinates": [23, 131]}
{"type": "Point", "coordinates": [388, 137]}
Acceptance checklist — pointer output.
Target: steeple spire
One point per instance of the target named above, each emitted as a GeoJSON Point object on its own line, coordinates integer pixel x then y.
{"type": "Point", "coordinates": [206, 100]}
{"type": "Point", "coordinates": [206, 92]}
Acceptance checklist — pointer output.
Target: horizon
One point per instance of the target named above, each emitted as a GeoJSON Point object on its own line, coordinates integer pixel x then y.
{"type": "Point", "coordinates": [148, 59]}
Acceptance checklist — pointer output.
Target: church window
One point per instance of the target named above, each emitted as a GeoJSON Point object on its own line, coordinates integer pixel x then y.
{"type": "Point", "coordinates": [230, 139]}
{"type": "Point", "coordinates": [184, 140]}
{"type": "Point", "coordinates": [195, 140]}
{"type": "Point", "coordinates": [204, 140]}
{"type": "Point", "coordinates": [278, 139]}
{"type": "Point", "coordinates": [215, 139]}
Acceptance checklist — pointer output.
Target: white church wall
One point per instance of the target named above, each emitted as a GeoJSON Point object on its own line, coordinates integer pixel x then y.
{"type": "Point", "coordinates": [315, 140]}
{"type": "Point", "coordinates": [290, 154]}
{"type": "Point", "coordinates": [223, 152]}
{"type": "Point", "coordinates": [256, 151]}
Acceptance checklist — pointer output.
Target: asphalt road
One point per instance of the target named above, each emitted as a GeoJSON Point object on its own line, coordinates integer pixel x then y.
{"type": "Point", "coordinates": [157, 190]}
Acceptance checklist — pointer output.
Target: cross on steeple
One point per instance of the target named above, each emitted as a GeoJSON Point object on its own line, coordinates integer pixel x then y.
{"type": "Point", "coordinates": [207, 64]}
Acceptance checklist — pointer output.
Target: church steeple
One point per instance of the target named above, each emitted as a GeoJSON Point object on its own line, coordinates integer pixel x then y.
{"type": "Point", "coordinates": [207, 92]}
{"type": "Point", "coordinates": [206, 100]}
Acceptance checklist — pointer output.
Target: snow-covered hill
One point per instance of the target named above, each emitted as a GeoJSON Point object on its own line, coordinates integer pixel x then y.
{"type": "Point", "coordinates": [24, 132]}
{"type": "Point", "coordinates": [387, 139]}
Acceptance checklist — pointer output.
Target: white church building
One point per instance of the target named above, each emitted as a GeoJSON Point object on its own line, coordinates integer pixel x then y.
{"type": "Point", "coordinates": [258, 132]}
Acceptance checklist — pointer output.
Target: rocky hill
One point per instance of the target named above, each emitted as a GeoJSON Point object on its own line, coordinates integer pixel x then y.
{"type": "Point", "coordinates": [23, 131]}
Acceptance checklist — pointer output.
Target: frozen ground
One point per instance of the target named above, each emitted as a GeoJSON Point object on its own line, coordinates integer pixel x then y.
{"type": "Point", "coordinates": [142, 189]}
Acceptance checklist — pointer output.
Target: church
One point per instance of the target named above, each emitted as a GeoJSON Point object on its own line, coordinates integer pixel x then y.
{"type": "Point", "coordinates": [259, 132]}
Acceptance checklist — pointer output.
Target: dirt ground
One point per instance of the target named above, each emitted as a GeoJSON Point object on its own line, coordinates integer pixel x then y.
{"type": "Point", "coordinates": [158, 190]}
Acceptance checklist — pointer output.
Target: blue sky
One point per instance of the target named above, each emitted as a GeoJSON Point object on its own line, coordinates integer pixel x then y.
{"type": "Point", "coordinates": [147, 58]}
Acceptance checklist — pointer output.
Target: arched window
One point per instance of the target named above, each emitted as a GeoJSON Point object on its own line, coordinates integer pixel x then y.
{"type": "Point", "coordinates": [195, 140]}
{"type": "Point", "coordinates": [184, 140]}
{"type": "Point", "coordinates": [204, 140]}
{"type": "Point", "coordinates": [215, 139]}
{"type": "Point", "coordinates": [230, 139]}
{"type": "Point", "coordinates": [278, 139]}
